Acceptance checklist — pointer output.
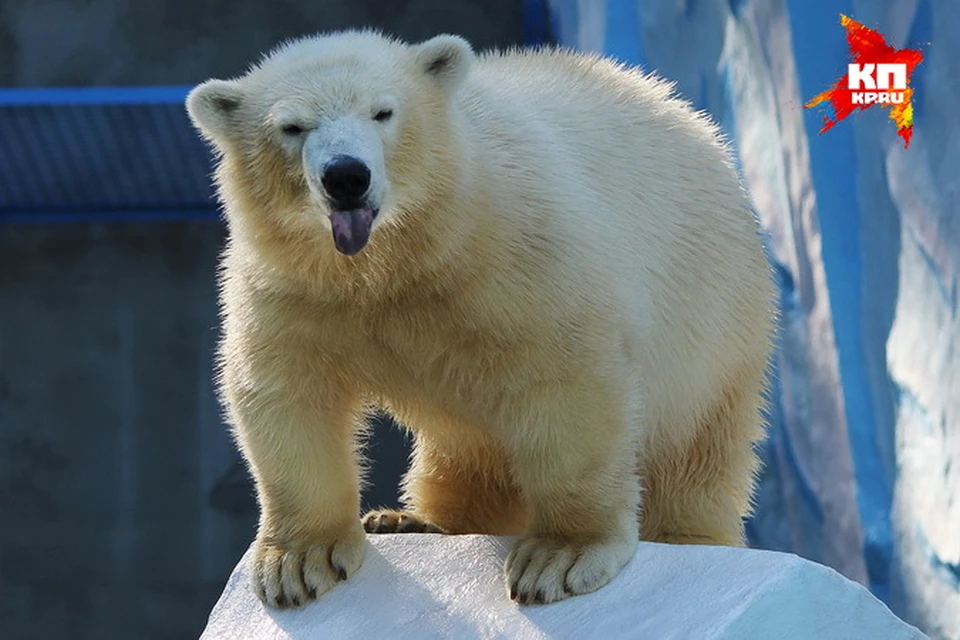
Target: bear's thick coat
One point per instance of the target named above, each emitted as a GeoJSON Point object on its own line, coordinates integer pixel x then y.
{"type": "Point", "coordinates": [541, 262]}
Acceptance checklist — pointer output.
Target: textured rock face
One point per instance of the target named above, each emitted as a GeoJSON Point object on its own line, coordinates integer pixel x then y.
{"type": "Point", "coordinates": [923, 349]}
{"type": "Point", "coordinates": [863, 460]}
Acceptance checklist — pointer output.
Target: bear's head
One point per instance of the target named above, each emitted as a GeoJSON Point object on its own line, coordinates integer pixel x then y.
{"type": "Point", "coordinates": [338, 133]}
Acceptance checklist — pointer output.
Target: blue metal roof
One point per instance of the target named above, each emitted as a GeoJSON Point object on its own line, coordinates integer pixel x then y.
{"type": "Point", "coordinates": [101, 153]}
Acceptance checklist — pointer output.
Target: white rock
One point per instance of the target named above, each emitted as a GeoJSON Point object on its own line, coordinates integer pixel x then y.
{"type": "Point", "coordinates": [431, 586]}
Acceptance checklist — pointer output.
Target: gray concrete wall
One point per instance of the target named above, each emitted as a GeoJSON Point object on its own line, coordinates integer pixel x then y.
{"type": "Point", "coordinates": [132, 42]}
{"type": "Point", "coordinates": [123, 504]}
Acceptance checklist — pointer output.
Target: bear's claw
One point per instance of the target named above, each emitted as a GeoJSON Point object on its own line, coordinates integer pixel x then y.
{"type": "Point", "coordinates": [388, 521]}
{"type": "Point", "coordinates": [293, 576]}
{"type": "Point", "coordinates": [541, 571]}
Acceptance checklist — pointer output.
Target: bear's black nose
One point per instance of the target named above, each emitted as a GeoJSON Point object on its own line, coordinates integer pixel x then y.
{"type": "Point", "coordinates": [345, 179]}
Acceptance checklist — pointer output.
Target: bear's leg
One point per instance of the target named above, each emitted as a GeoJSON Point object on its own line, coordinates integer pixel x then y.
{"type": "Point", "coordinates": [574, 454]}
{"type": "Point", "coordinates": [701, 494]}
{"type": "Point", "coordinates": [298, 438]}
{"type": "Point", "coordinates": [457, 485]}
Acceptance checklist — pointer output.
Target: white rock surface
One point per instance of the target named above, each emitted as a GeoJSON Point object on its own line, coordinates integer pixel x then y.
{"type": "Point", "coordinates": [429, 586]}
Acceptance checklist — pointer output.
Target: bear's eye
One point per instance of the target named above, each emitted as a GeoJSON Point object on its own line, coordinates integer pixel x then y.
{"type": "Point", "coordinates": [383, 115]}
{"type": "Point", "coordinates": [292, 129]}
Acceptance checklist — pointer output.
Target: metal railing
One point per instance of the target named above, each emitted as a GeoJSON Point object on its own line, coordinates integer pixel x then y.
{"type": "Point", "coordinates": [102, 154]}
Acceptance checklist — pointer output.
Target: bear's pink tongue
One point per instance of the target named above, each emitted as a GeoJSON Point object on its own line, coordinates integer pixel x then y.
{"type": "Point", "coordinates": [351, 230]}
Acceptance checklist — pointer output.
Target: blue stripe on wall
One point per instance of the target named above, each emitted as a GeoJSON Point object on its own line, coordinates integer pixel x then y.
{"type": "Point", "coordinates": [921, 32]}
{"type": "Point", "coordinates": [622, 38]}
{"type": "Point", "coordinates": [46, 96]}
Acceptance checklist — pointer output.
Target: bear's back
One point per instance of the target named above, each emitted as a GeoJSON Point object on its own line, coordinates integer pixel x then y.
{"type": "Point", "coordinates": [627, 179]}
{"type": "Point", "coordinates": [611, 128]}
{"type": "Point", "coordinates": [610, 145]}
{"type": "Point", "coordinates": [579, 90]}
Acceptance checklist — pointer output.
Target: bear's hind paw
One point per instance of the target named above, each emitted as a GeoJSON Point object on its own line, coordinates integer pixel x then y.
{"type": "Point", "coordinates": [389, 521]}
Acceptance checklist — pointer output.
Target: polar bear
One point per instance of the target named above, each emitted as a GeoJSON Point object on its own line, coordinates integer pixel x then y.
{"type": "Point", "coordinates": [541, 262]}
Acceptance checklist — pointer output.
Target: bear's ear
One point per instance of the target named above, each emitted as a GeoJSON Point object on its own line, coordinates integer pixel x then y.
{"type": "Point", "coordinates": [446, 59]}
{"type": "Point", "coordinates": [213, 107]}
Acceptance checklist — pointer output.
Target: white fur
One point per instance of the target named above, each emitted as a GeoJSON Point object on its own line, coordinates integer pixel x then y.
{"type": "Point", "coordinates": [570, 306]}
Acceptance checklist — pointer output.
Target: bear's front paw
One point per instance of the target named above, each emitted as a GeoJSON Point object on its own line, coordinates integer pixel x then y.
{"type": "Point", "coordinates": [543, 570]}
{"type": "Point", "coordinates": [389, 521]}
{"type": "Point", "coordinates": [291, 575]}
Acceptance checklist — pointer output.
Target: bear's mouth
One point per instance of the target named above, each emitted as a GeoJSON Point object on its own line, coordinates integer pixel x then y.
{"type": "Point", "coordinates": [351, 229]}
